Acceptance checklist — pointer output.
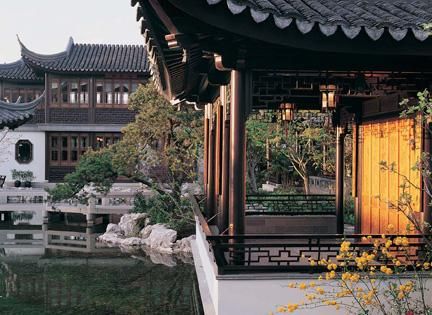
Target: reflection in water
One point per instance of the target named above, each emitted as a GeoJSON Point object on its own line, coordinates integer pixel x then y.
{"type": "Point", "coordinates": [61, 269]}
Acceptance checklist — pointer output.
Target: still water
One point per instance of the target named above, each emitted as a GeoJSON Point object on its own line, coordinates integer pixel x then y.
{"type": "Point", "coordinates": [59, 269]}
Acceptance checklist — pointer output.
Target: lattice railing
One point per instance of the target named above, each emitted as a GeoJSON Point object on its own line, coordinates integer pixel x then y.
{"type": "Point", "coordinates": [292, 253]}
{"type": "Point", "coordinates": [290, 204]}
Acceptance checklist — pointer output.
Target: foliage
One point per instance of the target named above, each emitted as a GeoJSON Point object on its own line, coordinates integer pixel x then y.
{"type": "Point", "coordinates": [165, 209]}
{"type": "Point", "coordinates": [24, 176]}
{"type": "Point", "coordinates": [361, 284]}
{"type": "Point", "coordinates": [94, 167]}
{"type": "Point", "coordinates": [160, 137]}
{"type": "Point", "coordinates": [349, 216]}
{"type": "Point", "coordinates": [302, 145]}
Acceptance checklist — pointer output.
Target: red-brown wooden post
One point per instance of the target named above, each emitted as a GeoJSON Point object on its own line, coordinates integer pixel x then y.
{"type": "Point", "coordinates": [210, 206]}
{"type": "Point", "coordinates": [225, 160]}
{"type": "Point", "coordinates": [206, 144]}
{"type": "Point", "coordinates": [340, 136]}
{"type": "Point", "coordinates": [237, 153]}
{"type": "Point", "coordinates": [218, 163]}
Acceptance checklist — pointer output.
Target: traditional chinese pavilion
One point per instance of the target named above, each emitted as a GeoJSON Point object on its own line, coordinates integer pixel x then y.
{"type": "Point", "coordinates": [85, 104]}
{"type": "Point", "coordinates": [359, 59]}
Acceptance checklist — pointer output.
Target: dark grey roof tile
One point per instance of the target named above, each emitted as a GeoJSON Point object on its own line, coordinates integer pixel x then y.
{"type": "Point", "coordinates": [91, 58]}
{"type": "Point", "coordinates": [395, 16]}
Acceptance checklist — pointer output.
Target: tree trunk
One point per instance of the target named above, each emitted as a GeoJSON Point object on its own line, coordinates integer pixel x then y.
{"type": "Point", "coordinates": [306, 184]}
{"type": "Point", "coordinates": [252, 176]}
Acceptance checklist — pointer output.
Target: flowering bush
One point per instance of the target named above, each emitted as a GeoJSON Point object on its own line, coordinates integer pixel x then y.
{"type": "Point", "coordinates": [388, 277]}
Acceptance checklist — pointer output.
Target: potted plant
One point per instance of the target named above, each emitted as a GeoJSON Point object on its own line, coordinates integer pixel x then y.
{"type": "Point", "coordinates": [27, 177]}
{"type": "Point", "coordinates": [16, 175]}
{"type": "Point", "coordinates": [22, 177]}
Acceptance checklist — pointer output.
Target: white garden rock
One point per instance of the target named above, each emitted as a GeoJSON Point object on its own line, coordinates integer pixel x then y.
{"type": "Point", "coordinates": [131, 224]}
{"type": "Point", "coordinates": [160, 237]}
{"type": "Point", "coordinates": [114, 228]}
{"type": "Point", "coordinates": [184, 245]}
{"type": "Point", "coordinates": [132, 241]}
{"type": "Point", "coordinates": [111, 238]}
{"type": "Point", "coordinates": [134, 230]}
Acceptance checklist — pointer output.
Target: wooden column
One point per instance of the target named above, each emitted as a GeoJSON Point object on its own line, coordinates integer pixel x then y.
{"type": "Point", "coordinates": [340, 136]}
{"type": "Point", "coordinates": [205, 153]}
{"type": "Point", "coordinates": [218, 163]}
{"type": "Point", "coordinates": [224, 204]}
{"type": "Point", "coordinates": [237, 153]}
{"type": "Point", "coordinates": [210, 208]}
{"type": "Point", "coordinates": [355, 177]}
{"type": "Point", "coordinates": [427, 209]}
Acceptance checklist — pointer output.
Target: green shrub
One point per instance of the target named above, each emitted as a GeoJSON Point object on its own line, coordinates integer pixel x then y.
{"type": "Point", "coordinates": [349, 216]}
{"type": "Point", "coordinates": [176, 214]}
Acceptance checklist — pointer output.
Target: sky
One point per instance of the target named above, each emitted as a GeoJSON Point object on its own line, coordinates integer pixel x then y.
{"type": "Point", "coordinates": [45, 26]}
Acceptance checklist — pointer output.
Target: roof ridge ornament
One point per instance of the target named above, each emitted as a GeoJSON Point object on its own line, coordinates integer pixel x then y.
{"type": "Point", "coordinates": [69, 45]}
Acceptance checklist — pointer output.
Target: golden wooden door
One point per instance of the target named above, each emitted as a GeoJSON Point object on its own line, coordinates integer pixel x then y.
{"type": "Point", "coordinates": [395, 141]}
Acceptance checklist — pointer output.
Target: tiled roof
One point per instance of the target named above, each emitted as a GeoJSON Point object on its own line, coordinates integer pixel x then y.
{"type": "Point", "coordinates": [13, 115]}
{"type": "Point", "coordinates": [375, 17]}
{"type": "Point", "coordinates": [18, 71]}
{"type": "Point", "coordinates": [91, 58]}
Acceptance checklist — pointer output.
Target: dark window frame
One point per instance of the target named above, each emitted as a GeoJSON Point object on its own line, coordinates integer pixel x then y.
{"type": "Point", "coordinates": [17, 154]}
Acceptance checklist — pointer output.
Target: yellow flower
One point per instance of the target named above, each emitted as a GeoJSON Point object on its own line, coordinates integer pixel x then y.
{"type": "Point", "coordinates": [426, 266]}
{"type": "Point", "coordinates": [355, 277]}
{"type": "Point", "coordinates": [401, 295]}
{"type": "Point", "coordinates": [313, 263]}
{"type": "Point", "coordinates": [331, 266]}
{"type": "Point", "coordinates": [345, 246]}
{"type": "Point", "coordinates": [346, 276]}
{"type": "Point", "coordinates": [312, 284]}
{"type": "Point", "coordinates": [302, 286]}
{"type": "Point", "coordinates": [291, 285]}
{"type": "Point", "coordinates": [386, 270]}
{"type": "Point", "coordinates": [398, 263]}
{"type": "Point", "coordinates": [292, 307]}
{"type": "Point", "coordinates": [320, 290]}
{"type": "Point", "coordinates": [281, 309]}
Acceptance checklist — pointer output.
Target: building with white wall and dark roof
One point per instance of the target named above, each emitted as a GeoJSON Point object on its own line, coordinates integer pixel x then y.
{"type": "Point", "coordinates": [59, 105]}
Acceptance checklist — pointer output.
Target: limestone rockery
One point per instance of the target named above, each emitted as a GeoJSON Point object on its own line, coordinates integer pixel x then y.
{"type": "Point", "coordinates": [134, 230]}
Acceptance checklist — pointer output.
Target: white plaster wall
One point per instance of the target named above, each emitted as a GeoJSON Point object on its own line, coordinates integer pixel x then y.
{"type": "Point", "coordinates": [208, 265]}
{"type": "Point", "coordinates": [258, 294]}
{"type": "Point", "coordinates": [7, 154]}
